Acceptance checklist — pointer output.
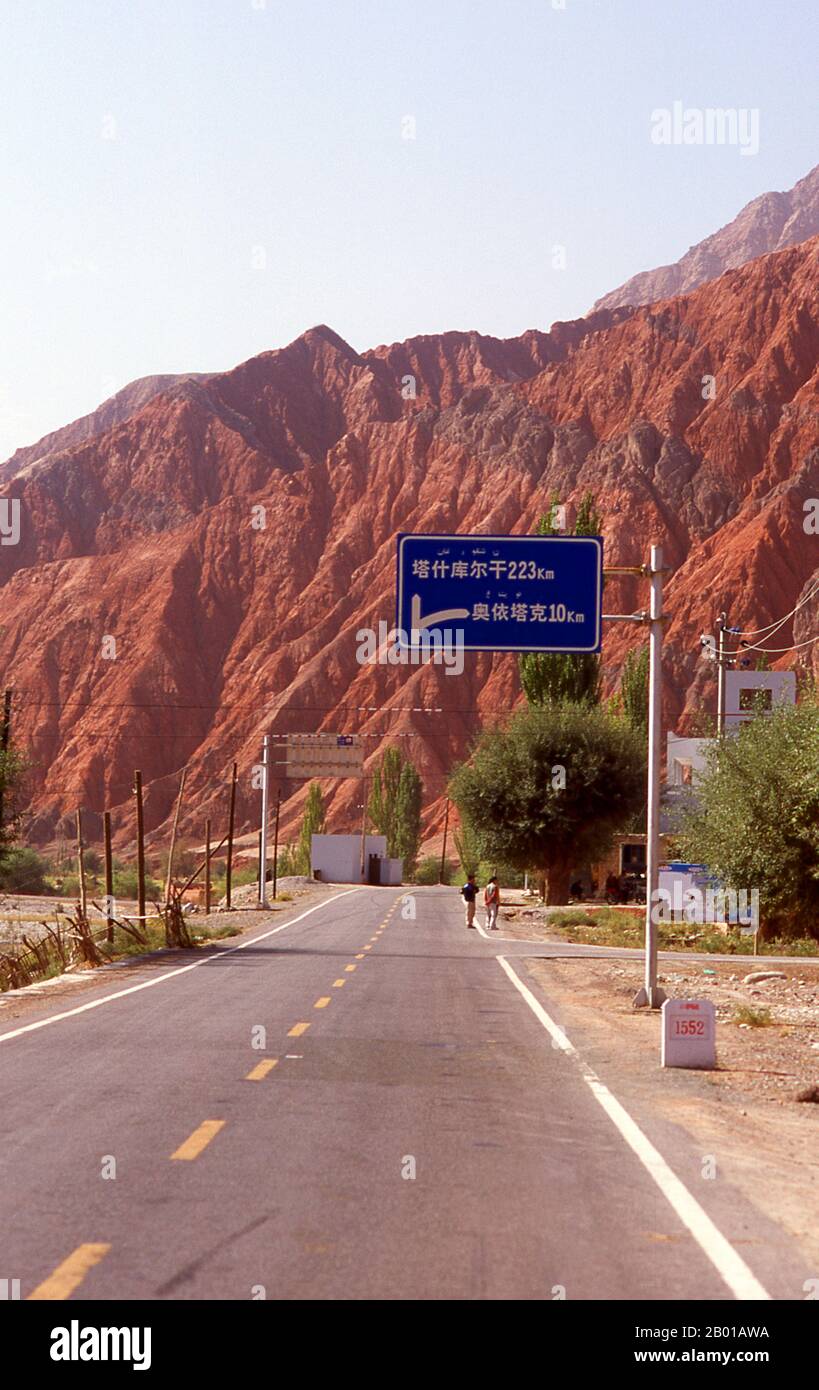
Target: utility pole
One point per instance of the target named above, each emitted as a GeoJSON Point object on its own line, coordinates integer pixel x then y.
{"type": "Point", "coordinates": [81, 868]}
{"type": "Point", "coordinates": [5, 737]}
{"type": "Point", "coordinates": [231, 823]}
{"type": "Point", "coordinates": [722, 623]}
{"type": "Point", "coordinates": [276, 843]}
{"type": "Point", "coordinates": [263, 834]}
{"type": "Point", "coordinates": [207, 865]}
{"type": "Point", "coordinates": [109, 875]}
{"type": "Point", "coordinates": [363, 829]}
{"type": "Point", "coordinates": [443, 851]}
{"type": "Point", "coordinates": [651, 996]}
{"type": "Point", "coordinates": [140, 845]}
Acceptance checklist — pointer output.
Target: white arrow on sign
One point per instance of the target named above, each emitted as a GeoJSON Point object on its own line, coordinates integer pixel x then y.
{"type": "Point", "coordinates": [432, 619]}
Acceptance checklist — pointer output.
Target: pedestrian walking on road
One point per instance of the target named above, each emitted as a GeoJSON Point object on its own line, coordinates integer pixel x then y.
{"type": "Point", "coordinates": [491, 901]}
{"type": "Point", "coordinates": [469, 893]}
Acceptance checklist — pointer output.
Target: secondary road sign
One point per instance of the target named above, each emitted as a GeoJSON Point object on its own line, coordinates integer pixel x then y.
{"type": "Point", "coordinates": [502, 593]}
{"type": "Point", "coordinates": [323, 755]}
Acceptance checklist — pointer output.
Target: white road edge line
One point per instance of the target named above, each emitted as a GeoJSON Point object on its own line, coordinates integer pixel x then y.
{"type": "Point", "coordinates": [169, 974]}
{"type": "Point", "coordinates": [731, 1268]}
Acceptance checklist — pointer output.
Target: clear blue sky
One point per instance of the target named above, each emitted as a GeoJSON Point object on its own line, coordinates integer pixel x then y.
{"type": "Point", "coordinates": [242, 124]}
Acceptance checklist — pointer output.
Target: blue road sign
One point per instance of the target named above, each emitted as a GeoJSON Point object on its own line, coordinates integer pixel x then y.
{"type": "Point", "coordinates": [503, 593]}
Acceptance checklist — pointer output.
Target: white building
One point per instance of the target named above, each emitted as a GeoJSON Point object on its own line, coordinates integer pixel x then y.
{"type": "Point", "coordinates": [742, 693]}
{"type": "Point", "coordinates": [337, 859]}
{"type": "Point", "coordinates": [685, 759]}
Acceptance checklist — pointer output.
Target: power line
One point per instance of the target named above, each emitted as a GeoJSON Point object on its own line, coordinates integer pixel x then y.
{"type": "Point", "coordinates": [755, 632]}
{"type": "Point", "coordinates": [774, 651]}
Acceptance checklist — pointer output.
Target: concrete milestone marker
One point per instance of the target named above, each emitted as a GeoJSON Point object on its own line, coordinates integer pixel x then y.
{"type": "Point", "coordinates": [689, 1033]}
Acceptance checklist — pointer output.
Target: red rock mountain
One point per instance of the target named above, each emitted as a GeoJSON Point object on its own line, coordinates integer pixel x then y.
{"type": "Point", "coordinates": [768, 223]}
{"type": "Point", "coordinates": [147, 529]}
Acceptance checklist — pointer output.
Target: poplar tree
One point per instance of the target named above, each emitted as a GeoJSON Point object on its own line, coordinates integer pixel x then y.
{"type": "Point", "coordinates": [547, 677]}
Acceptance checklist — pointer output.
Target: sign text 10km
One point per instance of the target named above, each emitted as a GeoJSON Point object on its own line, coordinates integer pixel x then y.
{"type": "Point", "coordinates": [502, 593]}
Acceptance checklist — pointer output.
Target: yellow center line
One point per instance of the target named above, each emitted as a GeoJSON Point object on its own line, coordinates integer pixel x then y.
{"type": "Point", "coordinates": [337, 984]}
{"type": "Point", "coordinates": [323, 1002]}
{"type": "Point", "coordinates": [261, 1069]}
{"type": "Point", "coordinates": [297, 1030]}
{"type": "Point", "coordinates": [360, 956]}
{"type": "Point", "coordinates": [199, 1140]}
{"type": "Point", "coordinates": [350, 968]}
{"type": "Point", "coordinates": [69, 1275]}
{"type": "Point", "coordinates": [366, 948]}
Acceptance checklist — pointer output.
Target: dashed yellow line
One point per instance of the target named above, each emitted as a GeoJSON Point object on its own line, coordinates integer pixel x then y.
{"type": "Point", "coordinates": [350, 968]}
{"type": "Point", "coordinates": [261, 1069]}
{"type": "Point", "coordinates": [297, 1030]}
{"type": "Point", "coordinates": [69, 1275]}
{"type": "Point", "coordinates": [360, 955]}
{"type": "Point", "coordinates": [199, 1140]}
{"type": "Point", "coordinates": [322, 1002]}
{"type": "Point", "coordinates": [338, 984]}
{"type": "Point", "coordinates": [366, 948]}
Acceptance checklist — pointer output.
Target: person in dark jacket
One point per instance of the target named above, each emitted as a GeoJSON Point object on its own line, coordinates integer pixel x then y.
{"type": "Point", "coordinates": [469, 893]}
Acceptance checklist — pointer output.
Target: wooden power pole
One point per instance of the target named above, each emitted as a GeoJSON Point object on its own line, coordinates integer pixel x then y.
{"type": "Point", "coordinates": [140, 844]}
{"type": "Point", "coordinates": [231, 823]}
{"type": "Point", "coordinates": [109, 873]}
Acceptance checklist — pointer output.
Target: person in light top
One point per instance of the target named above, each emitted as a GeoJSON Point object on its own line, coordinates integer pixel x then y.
{"type": "Point", "coordinates": [491, 901]}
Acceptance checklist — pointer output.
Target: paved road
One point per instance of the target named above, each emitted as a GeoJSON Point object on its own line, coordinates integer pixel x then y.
{"type": "Point", "coordinates": [398, 1046]}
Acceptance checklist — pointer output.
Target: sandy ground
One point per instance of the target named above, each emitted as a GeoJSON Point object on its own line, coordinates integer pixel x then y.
{"type": "Point", "coordinates": [745, 1112]}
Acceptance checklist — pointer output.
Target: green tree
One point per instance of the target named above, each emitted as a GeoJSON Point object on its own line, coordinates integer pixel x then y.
{"type": "Point", "coordinates": [13, 767]}
{"type": "Point", "coordinates": [407, 829]}
{"type": "Point", "coordinates": [394, 807]}
{"type": "Point", "coordinates": [634, 689]}
{"type": "Point", "coordinates": [548, 791]}
{"type": "Point", "coordinates": [313, 822]}
{"type": "Point", "coordinates": [23, 870]}
{"type": "Point", "coordinates": [756, 820]}
{"type": "Point", "coordinates": [549, 676]}
{"type": "Point", "coordinates": [467, 846]}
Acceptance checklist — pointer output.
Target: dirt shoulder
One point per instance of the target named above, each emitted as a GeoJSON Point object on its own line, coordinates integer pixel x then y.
{"type": "Point", "coordinates": [63, 991]}
{"type": "Point", "coordinates": [745, 1111]}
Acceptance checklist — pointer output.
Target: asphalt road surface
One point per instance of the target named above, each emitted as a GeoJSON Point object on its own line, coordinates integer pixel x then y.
{"type": "Point", "coordinates": [350, 1105]}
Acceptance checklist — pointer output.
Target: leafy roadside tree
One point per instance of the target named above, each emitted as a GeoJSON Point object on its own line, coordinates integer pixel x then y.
{"type": "Point", "coordinates": [634, 690]}
{"type": "Point", "coordinates": [313, 822]}
{"type": "Point", "coordinates": [407, 833]}
{"type": "Point", "coordinates": [23, 870]}
{"type": "Point", "coordinates": [548, 791]}
{"type": "Point", "coordinates": [13, 767]}
{"type": "Point", "coordinates": [549, 676]}
{"type": "Point", "coordinates": [756, 821]}
{"type": "Point", "coordinates": [394, 807]}
{"type": "Point", "coordinates": [467, 846]}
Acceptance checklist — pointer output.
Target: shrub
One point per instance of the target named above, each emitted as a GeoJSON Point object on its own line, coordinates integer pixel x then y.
{"type": "Point", "coordinates": [23, 870]}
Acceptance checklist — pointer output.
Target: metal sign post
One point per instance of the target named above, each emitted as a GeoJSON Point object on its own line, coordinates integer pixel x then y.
{"type": "Point", "coordinates": [263, 836]}
{"type": "Point", "coordinates": [651, 996]}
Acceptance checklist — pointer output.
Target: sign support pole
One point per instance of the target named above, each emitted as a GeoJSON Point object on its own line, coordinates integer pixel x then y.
{"type": "Point", "coordinates": [263, 836]}
{"type": "Point", "coordinates": [651, 996]}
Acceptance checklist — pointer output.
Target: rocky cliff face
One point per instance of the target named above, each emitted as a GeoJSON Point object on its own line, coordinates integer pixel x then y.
{"type": "Point", "coordinates": [193, 572]}
{"type": "Point", "coordinates": [769, 223]}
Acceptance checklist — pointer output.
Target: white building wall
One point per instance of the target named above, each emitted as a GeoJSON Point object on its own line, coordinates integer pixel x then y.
{"type": "Point", "coordinates": [338, 857]}
{"type": "Point", "coordinates": [782, 685]}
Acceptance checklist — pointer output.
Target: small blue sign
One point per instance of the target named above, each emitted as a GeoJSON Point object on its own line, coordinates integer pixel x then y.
{"type": "Point", "coordinates": [502, 593]}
